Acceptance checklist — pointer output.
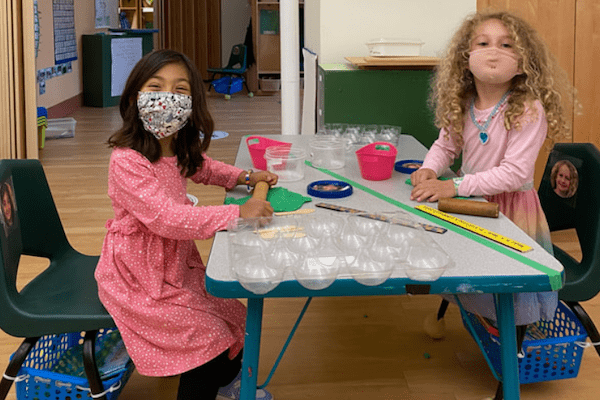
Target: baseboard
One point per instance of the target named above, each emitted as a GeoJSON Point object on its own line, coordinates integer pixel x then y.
{"type": "Point", "coordinates": [66, 107]}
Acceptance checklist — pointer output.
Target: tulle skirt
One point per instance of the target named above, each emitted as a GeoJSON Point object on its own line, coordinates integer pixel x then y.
{"type": "Point", "coordinates": [525, 210]}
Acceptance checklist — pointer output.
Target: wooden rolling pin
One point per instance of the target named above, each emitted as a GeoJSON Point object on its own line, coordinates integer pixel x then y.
{"type": "Point", "coordinates": [468, 207]}
{"type": "Point", "coordinates": [260, 190]}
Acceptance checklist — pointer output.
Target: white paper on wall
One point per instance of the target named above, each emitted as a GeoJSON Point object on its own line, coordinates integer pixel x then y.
{"type": "Point", "coordinates": [107, 12]}
{"type": "Point", "coordinates": [125, 53]}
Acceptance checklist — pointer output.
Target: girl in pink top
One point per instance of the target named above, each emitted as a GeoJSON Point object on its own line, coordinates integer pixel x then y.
{"type": "Point", "coordinates": [497, 100]}
{"type": "Point", "coordinates": [150, 275]}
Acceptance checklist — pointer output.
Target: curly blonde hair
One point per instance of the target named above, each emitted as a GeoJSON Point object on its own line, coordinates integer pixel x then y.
{"type": "Point", "coordinates": [542, 79]}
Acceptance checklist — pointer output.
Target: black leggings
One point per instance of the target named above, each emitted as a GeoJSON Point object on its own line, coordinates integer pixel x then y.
{"type": "Point", "coordinates": [203, 382]}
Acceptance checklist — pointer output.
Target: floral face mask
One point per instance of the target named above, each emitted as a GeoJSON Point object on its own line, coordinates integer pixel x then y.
{"type": "Point", "coordinates": [164, 113]}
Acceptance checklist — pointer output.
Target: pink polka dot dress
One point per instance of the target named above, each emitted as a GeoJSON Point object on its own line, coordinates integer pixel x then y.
{"type": "Point", "coordinates": [150, 274]}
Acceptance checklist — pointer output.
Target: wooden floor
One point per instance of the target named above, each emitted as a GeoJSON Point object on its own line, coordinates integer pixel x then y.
{"type": "Point", "coordinates": [358, 348]}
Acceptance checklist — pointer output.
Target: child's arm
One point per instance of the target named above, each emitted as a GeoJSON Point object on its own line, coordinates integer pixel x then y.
{"type": "Point", "coordinates": [135, 188]}
{"type": "Point", "coordinates": [257, 205]}
{"type": "Point", "coordinates": [433, 190]}
{"type": "Point", "coordinates": [218, 173]}
{"type": "Point", "coordinates": [421, 175]}
{"type": "Point", "coordinates": [442, 153]}
{"type": "Point", "coordinates": [251, 178]}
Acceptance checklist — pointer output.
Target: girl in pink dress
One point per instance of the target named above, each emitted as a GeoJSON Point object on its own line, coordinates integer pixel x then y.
{"type": "Point", "coordinates": [497, 100]}
{"type": "Point", "coordinates": [150, 275]}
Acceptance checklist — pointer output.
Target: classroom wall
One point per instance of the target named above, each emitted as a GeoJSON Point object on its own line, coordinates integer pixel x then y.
{"type": "Point", "coordinates": [235, 17]}
{"type": "Point", "coordinates": [64, 87]}
{"type": "Point", "coordinates": [340, 28]}
{"type": "Point", "coordinates": [334, 29]}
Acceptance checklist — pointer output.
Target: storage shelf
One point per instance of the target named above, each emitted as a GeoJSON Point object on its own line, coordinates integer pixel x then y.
{"type": "Point", "coordinates": [139, 13]}
{"type": "Point", "coordinates": [266, 39]}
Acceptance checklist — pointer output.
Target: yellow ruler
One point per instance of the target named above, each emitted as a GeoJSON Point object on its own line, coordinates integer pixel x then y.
{"type": "Point", "coordinates": [513, 244]}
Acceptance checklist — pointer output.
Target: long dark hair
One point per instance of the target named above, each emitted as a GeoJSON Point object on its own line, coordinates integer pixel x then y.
{"type": "Point", "coordinates": [187, 145]}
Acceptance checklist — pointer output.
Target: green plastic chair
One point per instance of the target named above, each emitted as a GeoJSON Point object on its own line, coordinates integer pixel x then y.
{"type": "Point", "coordinates": [61, 299]}
{"type": "Point", "coordinates": [236, 68]}
{"type": "Point", "coordinates": [582, 279]}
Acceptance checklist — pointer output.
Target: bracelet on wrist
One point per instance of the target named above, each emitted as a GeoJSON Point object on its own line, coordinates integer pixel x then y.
{"type": "Point", "coordinates": [456, 182]}
{"type": "Point", "coordinates": [247, 179]}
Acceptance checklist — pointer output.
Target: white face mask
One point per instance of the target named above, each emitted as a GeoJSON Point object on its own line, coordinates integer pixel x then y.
{"type": "Point", "coordinates": [493, 65]}
{"type": "Point", "coordinates": [164, 113]}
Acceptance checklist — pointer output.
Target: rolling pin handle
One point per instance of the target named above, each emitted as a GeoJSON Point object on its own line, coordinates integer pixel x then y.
{"type": "Point", "coordinates": [260, 190]}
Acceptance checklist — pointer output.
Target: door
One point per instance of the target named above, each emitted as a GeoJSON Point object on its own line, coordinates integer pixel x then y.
{"type": "Point", "coordinates": [194, 28]}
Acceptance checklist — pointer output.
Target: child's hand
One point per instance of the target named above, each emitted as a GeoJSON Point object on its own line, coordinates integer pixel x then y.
{"type": "Point", "coordinates": [432, 190]}
{"type": "Point", "coordinates": [254, 208]}
{"type": "Point", "coordinates": [422, 174]}
{"type": "Point", "coordinates": [263, 176]}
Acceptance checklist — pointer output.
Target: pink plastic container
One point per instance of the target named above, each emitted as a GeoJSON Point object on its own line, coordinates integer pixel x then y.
{"type": "Point", "coordinates": [376, 160]}
{"type": "Point", "coordinates": [257, 146]}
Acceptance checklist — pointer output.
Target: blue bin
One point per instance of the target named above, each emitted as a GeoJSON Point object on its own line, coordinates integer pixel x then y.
{"type": "Point", "coordinates": [554, 354]}
{"type": "Point", "coordinates": [45, 374]}
{"type": "Point", "coordinates": [228, 85]}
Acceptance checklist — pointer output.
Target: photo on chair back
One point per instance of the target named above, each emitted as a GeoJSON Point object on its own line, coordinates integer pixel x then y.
{"type": "Point", "coordinates": [558, 189]}
{"type": "Point", "coordinates": [8, 206]}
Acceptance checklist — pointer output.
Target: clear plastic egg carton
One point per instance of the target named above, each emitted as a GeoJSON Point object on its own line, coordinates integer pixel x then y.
{"type": "Point", "coordinates": [316, 249]}
{"type": "Point", "coordinates": [357, 135]}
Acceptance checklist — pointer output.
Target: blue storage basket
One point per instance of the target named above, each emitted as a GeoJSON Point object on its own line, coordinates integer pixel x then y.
{"type": "Point", "coordinates": [221, 85]}
{"type": "Point", "coordinates": [557, 356]}
{"type": "Point", "coordinates": [36, 379]}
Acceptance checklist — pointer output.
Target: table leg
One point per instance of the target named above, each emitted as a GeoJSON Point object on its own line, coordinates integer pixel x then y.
{"type": "Point", "coordinates": [251, 349]}
{"type": "Point", "coordinates": [508, 350]}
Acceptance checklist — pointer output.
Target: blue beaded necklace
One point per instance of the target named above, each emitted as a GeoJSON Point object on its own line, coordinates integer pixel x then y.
{"type": "Point", "coordinates": [483, 129]}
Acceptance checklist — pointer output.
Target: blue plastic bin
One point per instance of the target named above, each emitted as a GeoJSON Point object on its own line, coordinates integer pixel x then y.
{"type": "Point", "coordinates": [555, 356]}
{"type": "Point", "coordinates": [37, 378]}
{"type": "Point", "coordinates": [228, 85]}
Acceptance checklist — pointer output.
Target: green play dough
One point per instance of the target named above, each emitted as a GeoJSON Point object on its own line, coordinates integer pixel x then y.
{"type": "Point", "coordinates": [280, 198]}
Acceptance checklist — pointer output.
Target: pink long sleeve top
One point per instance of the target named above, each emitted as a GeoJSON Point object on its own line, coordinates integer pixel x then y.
{"type": "Point", "coordinates": [502, 171]}
{"type": "Point", "coordinates": [150, 276]}
{"type": "Point", "coordinates": [506, 163]}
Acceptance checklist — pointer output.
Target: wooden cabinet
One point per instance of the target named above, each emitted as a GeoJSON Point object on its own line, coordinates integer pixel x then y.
{"type": "Point", "coordinates": [139, 13]}
{"type": "Point", "coordinates": [266, 41]}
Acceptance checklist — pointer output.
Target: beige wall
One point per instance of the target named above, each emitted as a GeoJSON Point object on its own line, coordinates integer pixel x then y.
{"type": "Point", "coordinates": [61, 88]}
{"type": "Point", "coordinates": [340, 28]}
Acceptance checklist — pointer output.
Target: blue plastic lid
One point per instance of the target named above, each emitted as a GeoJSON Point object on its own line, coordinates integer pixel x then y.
{"type": "Point", "coordinates": [329, 189]}
{"type": "Point", "coordinates": [408, 166]}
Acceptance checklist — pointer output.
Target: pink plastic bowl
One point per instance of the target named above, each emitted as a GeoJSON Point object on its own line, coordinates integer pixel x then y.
{"type": "Point", "coordinates": [376, 160]}
{"type": "Point", "coordinates": [257, 146]}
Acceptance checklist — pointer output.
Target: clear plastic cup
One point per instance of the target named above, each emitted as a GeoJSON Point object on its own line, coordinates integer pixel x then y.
{"type": "Point", "coordinates": [427, 262]}
{"type": "Point", "coordinates": [362, 225]}
{"type": "Point", "coordinates": [247, 248]}
{"type": "Point", "coordinates": [390, 134]}
{"type": "Point", "coordinates": [327, 152]}
{"type": "Point", "coordinates": [334, 129]}
{"type": "Point", "coordinates": [318, 272]}
{"type": "Point", "coordinates": [318, 225]}
{"type": "Point", "coordinates": [370, 271]}
{"type": "Point", "coordinates": [286, 162]}
{"type": "Point", "coordinates": [350, 242]}
{"type": "Point", "coordinates": [253, 273]}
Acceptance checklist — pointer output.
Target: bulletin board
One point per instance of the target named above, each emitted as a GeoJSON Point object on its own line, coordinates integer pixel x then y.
{"type": "Point", "coordinates": [65, 39]}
